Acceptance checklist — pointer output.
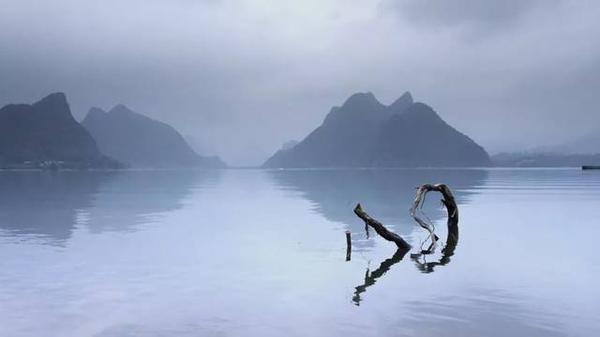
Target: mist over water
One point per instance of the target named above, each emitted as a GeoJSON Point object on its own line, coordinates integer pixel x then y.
{"type": "Point", "coordinates": [262, 253]}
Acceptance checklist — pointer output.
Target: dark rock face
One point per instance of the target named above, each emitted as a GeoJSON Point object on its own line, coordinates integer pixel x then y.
{"type": "Point", "coordinates": [365, 133]}
{"type": "Point", "coordinates": [140, 141]}
{"type": "Point", "coordinates": [46, 131]}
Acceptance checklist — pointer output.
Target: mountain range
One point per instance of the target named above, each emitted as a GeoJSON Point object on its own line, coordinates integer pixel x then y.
{"type": "Point", "coordinates": [366, 133]}
{"type": "Point", "coordinates": [46, 135]}
{"type": "Point", "coordinates": [362, 132]}
{"type": "Point", "coordinates": [543, 159]}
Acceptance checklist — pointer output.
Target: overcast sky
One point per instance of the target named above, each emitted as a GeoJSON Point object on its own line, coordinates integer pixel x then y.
{"type": "Point", "coordinates": [242, 77]}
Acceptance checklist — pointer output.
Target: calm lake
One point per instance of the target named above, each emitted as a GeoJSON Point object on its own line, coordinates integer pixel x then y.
{"type": "Point", "coordinates": [263, 253]}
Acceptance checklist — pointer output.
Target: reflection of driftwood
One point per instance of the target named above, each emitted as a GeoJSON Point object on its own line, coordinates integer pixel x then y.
{"type": "Point", "coordinates": [447, 252]}
{"type": "Point", "coordinates": [371, 277]}
{"type": "Point", "coordinates": [380, 228]}
{"type": "Point", "coordinates": [451, 207]}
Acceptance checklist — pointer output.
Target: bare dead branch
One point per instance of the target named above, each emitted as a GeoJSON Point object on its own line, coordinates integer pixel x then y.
{"type": "Point", "coordinates": [448, 201]}
{"type": "Point", "coordinates": [381, 229]}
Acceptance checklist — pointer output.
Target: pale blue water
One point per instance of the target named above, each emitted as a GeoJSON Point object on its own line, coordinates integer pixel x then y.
{"type": "Point", "coordinates": [262, 253]}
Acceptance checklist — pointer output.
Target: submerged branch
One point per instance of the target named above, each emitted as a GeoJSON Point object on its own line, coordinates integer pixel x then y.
{"type": "Point", "coordinates": [381, 229]}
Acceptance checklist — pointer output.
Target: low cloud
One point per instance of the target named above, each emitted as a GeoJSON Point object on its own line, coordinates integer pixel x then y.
{"type": "Point", "coordinates": [474, 16]}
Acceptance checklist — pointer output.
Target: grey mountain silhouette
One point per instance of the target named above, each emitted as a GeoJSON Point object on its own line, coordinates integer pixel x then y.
{"type": "Point", "coordinates": [46, 131]}
{"type": "Point", "coordinates": [365, 133]}
{"type": "Point", "coordinates": [140, 141]}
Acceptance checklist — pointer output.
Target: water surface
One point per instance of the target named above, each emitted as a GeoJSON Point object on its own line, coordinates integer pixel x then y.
{"type": "Point", "coordinates": [262, 253]}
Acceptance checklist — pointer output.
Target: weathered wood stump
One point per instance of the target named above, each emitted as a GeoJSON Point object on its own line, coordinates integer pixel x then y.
{"type": "Point", "coordinates": [348, 246]}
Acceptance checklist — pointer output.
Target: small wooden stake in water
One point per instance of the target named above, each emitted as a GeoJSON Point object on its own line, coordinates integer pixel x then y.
{"type": "Point", "coordinates": [348, 246]}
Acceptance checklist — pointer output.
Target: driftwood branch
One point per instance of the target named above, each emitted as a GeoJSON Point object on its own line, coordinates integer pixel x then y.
{"type": "Point", "coordinates": [448, 201]}
{"type": "Point", "coordinates": [380, 228]}
{"type": "Point", "coordinates": [403, 246]}
{"type": "Point", "coordinates": [451, 207]}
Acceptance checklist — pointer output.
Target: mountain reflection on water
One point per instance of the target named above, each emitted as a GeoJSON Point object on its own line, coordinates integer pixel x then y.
{"type": "Point", "coordinates": [48, 206]}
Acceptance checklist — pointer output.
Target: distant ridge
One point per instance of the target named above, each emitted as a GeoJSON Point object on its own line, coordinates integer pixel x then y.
{"type": "Point", "coordinates": [540, 159]}
{"type": "Point", "coordinates": [365, 133]}
{"type": "Point", "coordinates": [45, 135]}
{"type": "Point", "coordinates": [140, 141]}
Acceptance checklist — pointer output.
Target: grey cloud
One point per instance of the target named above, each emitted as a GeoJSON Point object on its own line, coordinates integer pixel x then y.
{"type": "Point", "coordinates": [483, 16]}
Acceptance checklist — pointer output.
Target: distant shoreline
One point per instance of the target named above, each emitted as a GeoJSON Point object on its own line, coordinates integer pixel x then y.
{"type": "Point", "coordinates": [258, 168]}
